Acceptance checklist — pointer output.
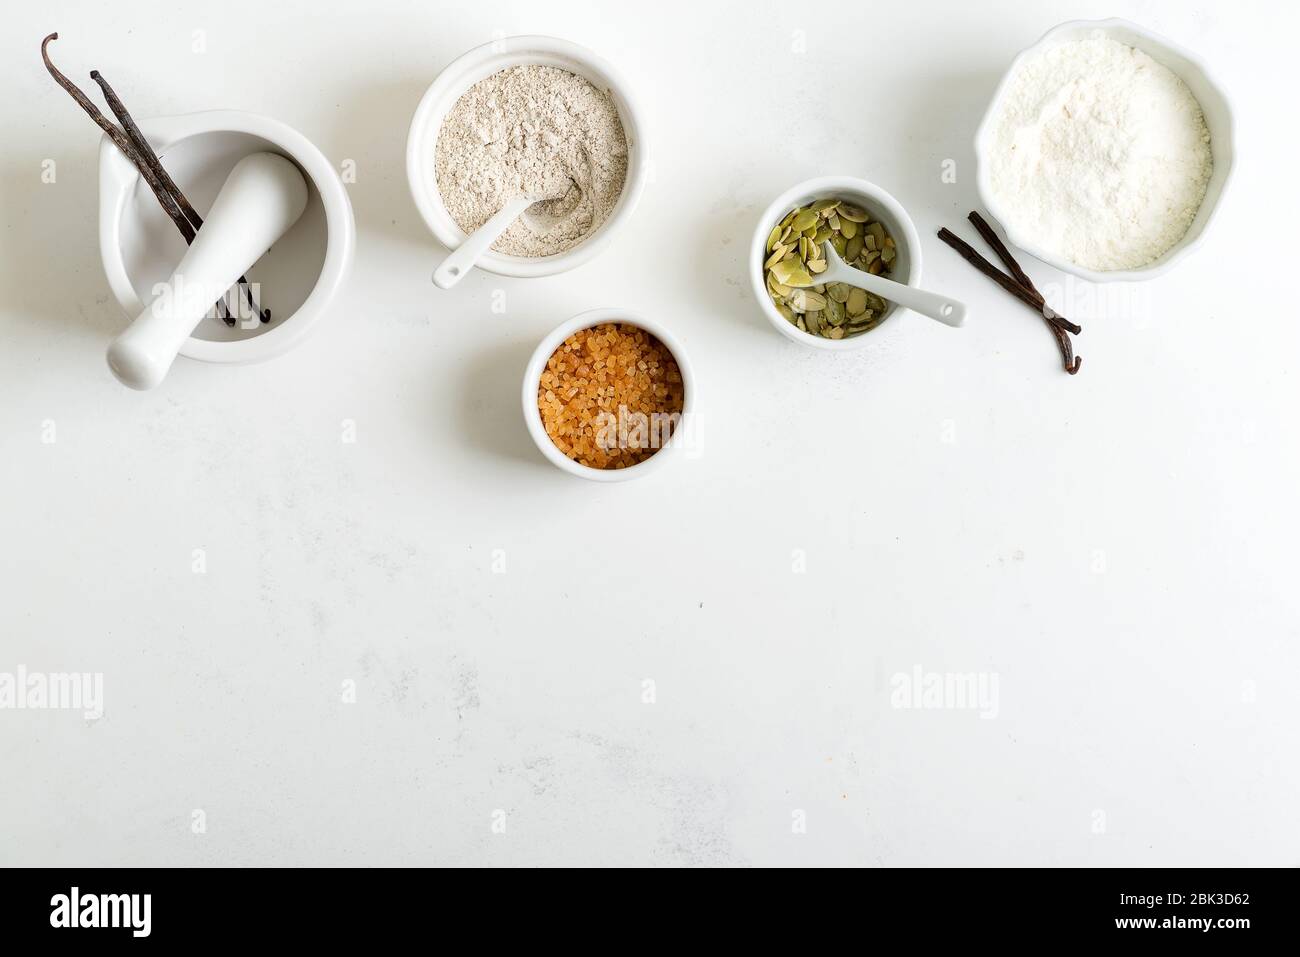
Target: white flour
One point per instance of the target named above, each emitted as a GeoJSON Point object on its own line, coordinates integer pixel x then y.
{"type": "Point", "coordinates": [1101, 155]}
{"type": "Point", "coordinates": [532, 131]}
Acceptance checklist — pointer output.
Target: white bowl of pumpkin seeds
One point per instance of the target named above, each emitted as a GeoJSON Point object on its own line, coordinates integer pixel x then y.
{"type": "Point", "coordinates": [859, 218]}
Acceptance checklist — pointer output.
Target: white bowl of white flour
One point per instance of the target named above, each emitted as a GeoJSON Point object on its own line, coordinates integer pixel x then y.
{"type": "Point", "coordinates": [1105, 151]}
{"type": "Point", "coordinates": [511, 118]}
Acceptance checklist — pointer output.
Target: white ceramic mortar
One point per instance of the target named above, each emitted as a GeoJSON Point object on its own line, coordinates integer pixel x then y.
{"type": "Point", "coordinates": [298, 278]}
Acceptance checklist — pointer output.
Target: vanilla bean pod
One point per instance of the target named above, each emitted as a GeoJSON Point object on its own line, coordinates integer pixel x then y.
{"type": "Point", "coordinates": [1068, 358]}
{"type": "Point", "coordinates": [151, 158]}
{"type": "Point", "coordinates": [123, 143]}
{"type": "Point", "coordinates": [1071, 362]}
{"type": "Point", "coordinates": [968, 253]}
{"type": "Point", "coordinates": [1022, 277]}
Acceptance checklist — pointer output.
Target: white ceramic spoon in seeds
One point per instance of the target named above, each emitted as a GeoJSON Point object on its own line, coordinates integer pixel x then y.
{"type": "Point", "coordinates": [463, 258]}
{"type": "Point", "coordinates": [945, 310]}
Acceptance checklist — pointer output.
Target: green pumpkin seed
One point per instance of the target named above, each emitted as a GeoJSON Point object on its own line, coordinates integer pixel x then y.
{"type": "Point", "coordinates": [805, 301]}
{"type": "Point", "coordinates": [790, 272]}
{"type": "Point", "coordinates": [804, 220]}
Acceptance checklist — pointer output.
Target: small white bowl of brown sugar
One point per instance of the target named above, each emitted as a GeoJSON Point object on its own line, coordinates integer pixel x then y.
{"type": "Point", "coordinates": [609, 396]}
{"type": "Point", "coordinates": [528, 116]}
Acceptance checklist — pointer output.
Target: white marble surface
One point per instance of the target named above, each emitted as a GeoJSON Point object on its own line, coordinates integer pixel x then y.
{"type": "Point", "coordinates": [1117, 549]}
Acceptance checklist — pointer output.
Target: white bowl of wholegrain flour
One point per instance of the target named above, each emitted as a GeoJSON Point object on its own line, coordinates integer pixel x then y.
{"type": "Point", "coordinates": [1105, 151]}
{"type": "Point", "coordinates": [534, 116]}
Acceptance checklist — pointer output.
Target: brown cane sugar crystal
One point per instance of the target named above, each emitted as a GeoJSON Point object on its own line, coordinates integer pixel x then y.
{"type": "Point", "coordinates": [610, 396]}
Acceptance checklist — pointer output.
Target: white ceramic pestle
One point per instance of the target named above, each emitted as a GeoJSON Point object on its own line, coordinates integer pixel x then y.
{"type": "Point", "coordinates": [260, 200]}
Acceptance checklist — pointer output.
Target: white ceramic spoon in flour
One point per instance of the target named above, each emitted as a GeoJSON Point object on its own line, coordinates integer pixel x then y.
{"type": "Point", "coordinates": [945, 310]}
{"type": "Point", "coordinates": [463, 258]}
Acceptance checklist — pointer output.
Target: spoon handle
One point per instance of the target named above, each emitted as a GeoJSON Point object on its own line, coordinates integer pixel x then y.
{"type": "Point", "coordinates": [942, 308]}
{"type": "Point", "coordinates": [462, 259]}
{"type": "Point", "coordinates": [948, 311]}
